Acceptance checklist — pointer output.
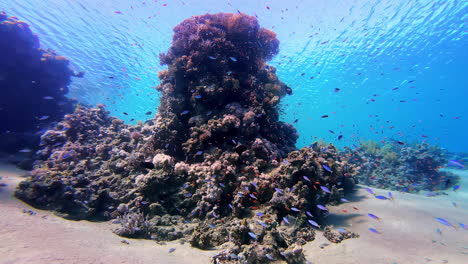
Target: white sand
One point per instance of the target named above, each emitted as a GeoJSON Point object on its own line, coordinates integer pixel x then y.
{"type": "Point", "coordinates": [408, 233]}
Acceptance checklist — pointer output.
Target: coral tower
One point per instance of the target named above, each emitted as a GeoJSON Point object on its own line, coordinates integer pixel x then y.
{"type": "Point", "coordinates": [215, 166]}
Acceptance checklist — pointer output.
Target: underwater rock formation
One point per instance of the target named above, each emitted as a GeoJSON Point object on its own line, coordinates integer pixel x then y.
{"type": "Point", "coordinates": [34, 83]}
{"type": "Point", "coordinates": [215, 166]}
{"type": "Point", "coordinates": [402, 167]}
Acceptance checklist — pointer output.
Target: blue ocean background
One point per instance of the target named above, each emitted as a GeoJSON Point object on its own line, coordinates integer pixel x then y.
{"type": "Point", "coordinates": [401, 66]}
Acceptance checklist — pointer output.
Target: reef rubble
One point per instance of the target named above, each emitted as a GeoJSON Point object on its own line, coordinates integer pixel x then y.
{"type": "Point", "coordinates": [400, 166]}
{"type": "Point", "coordinates": [215, 167]}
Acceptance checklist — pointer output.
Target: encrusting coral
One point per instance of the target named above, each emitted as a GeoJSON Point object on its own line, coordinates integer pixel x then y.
{"type": "Point", "coordinates": [215, 166]}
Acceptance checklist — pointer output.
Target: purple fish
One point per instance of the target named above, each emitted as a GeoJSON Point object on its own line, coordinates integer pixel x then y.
{"type": "Point", "coordinates": [260, 214]}
{"type": "Point", "coordinates": [198, 96]}
{"type": "Point", "coordinates": [279, 191]}
{"type": "Point", "coordinates": [286, 220]}
{"type": "Point", "coordinates": [344, 200]}
{"type": "Point", "coordinates": [381, 197]}
{"type": "Point", "coordinates": [331, 131]}
{"type": "Point", "coordinates": [312, 222]}
{"type": "Point", "coordinates": [185, 112]}
{"type": "Point", "coordinates": [369, 190]}
{"type": "Point", "coordinates": [443, 221]}
{"type": "Point", "coordinates": [254, 184]}
{"type": "Point", "coordinates": [306, 178]}
{"type": "Point", "coordinates": [253, 196]}
{"type": "Point", "coordinates": [456, 163]}
{"type": "Point", "coordinates": [325, 189]}
{"type": "Point", "coordinates": [233, 59]}
{"type": "Point", "coordinates": [374, 216]}
{"type": "Point", "coordinates": [374, 231]}
{"type": "Point", "coordinates": [321, 207]}
{"type": "Point", "coordinates": [199, 152]}
{"type": "Point", "coordinates": [309, 214]}
{"type": "Point", "coordinates": [327, 168]}
{"type": "Point", "coordinates": [390, 195]}
{"type": "Point", "coordinates": [252, 235]}
{"type": "Point", "coordinates": [295, 209]}
{"type": "Point", "coordinates": [456, 187]}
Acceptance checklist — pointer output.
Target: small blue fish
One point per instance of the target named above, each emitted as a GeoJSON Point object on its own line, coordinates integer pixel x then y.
{"type": "Point", "coordinates": [327, 168]}
{"type": "Point", "coordinates": [43, 118]}
{"type": "Point", "coordinates": [229, 72]}
{"type": "Point", "coordinates": [262, 224]}
{"type": "Point", "coordinates": [381, 197]}
{"type": "Point", "coordinates": [306, 178]}
{"type": "Point", "coordinates": [285, 162]}
{"type": "Point", "coordinates": [369, 190]}
{"type": "Point", "coordinates": [48, 98]}
{"type": "Point", "coordinates": [260, 214]}
{"type": "Point", "coordinates": [199, 152]}
{"type": "Point", "coordinates": [233, 59]}
{"type": "Point", "coordinates": [253, 196]}
{"type": "Point", "coordinates": [309, 214]}
{"type": "Point", "coordinates": [212, 58]}
{"type": "Point", "coordinates": [340, 137]}
{"type": "Point", "coordinates": [390, 195]}
{"type": "Point", "coordinates": [331, 131]}
{"type": "Point", "coordinates": [456, 187]}
{"type": "Point", "coordinates": [374, 216]}
{"type": "Point", "coordinates": [188, 195]}
{"type": "Point", "coordinates": [212, 226]}
{"type": "Point", "coordinates": [286, 220]}
{"type": "Point", "coordinates": [295, 209]}
{"type": "Point", "coordinates": [341, 230]}
{"type": "Point", "coordinates": [185, 112]}
{"type": "Point", "coordinates": [252, 235]}
{"type": "Point", "coordinates": [443, 221]}
{"type": "Point", "coordinates": [344, 200]}
{"type": "Point", "coordinates": [279, 191]}
{"type": "Point", "coordinates": [374, 231]}
{"type": "Point", "coordinates": [198, 96]}
{"type": "Point", "coordinates": [254, 184]}
{"type": "Point", "coordinates": [312, 222]}
{"type": "Point", "coordinates": [269, 256]}
{"type": "Point", "coordinates": [240, 194]}
{"type": "Point", "coordinates": [325, 189]}
{"type": "Point", "coordinates": [172, 250]}
{"type": "Point", "coordinates": [321, 207]}
{"type": "Point", "coordinates": [230, 206]}
{"type": "Point", "coordinates": [222, 184]}
{"type": "Point", "coordinates": [462, 226]}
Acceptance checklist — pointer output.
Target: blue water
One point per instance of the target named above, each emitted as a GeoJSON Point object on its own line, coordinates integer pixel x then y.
{"type": "Point", "coordinates": [364, 48]}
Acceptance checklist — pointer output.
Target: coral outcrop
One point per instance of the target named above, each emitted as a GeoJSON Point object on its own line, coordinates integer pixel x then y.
{"type": "Point", "coordinates": [33, 83]}
{"type": "Point", "coordinates": [215, 166]}
{"type": "Point", "coordinates": [399, 166]}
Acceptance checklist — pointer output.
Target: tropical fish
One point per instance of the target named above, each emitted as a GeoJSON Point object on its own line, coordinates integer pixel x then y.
{"type": "Point", "coordinates": [341, 230]}
{"type": "Point", "coordinates": [306, 178]}
{"type": "Point", "coordinates": [443, 221]}
{"type": "Point", "coordinates": [340, 137]}
{"type": "Point", "coordinates": [344, 200]}
{"type": "Point", "coordinates": [462, 226]}
{"type": "Point", "coordinates": [198, 96]}
{"type": "Point", "coordinates": [252, 235]}
{"type": "Point", "coordinates": [309, 214]}
{"type": "Point", "coordinates": [456, 187]}
{"type": "Point", "coordinates": [374, 231]}
{"type": "Point", "coordinates": [199, 152]}
{"type": "Point", "coordinates": [325, 189]}
{"type": "Point", "coordinates": [327, 168]}
{"type": "Point", "coordinates": [254, 184]}
{"type": "Point", "coordinates": [253, 196]}
{"type": "Point", "coordinates": [331, 131]}
{"type": "Point", "coordinates": [279, 191]}
{"type": "Point", "coordinates": [233, 59]}
{"type": "Point", "coordinates": [374, 216]}
{"type": "Point", "coordinates": [269, 256]}
{"type": "Point", "coordinates": [148, 113]}
{"type": "Point", "coordinates": [369, 190]}
{"type": "Point", "coordinates": [286, 220]}
{"type": "Point", "coordinates": [456, 163]}
{"type": "Point", "coordinates": [222, 184]}
{"type": "Point", "coordinates": [43, 117]}
{"type": "Point", "coordinates": [381, 197]}
{"type": "Point", "coordinates": [172, 250]}
{"type": "Point", "coordinates": [48, 98]}
{"type": "Point", "coordinates": [260, 214]}
{"type": "Point", "coordinates": [211, 57]}
{"type": "Point", "coordinates": [390, 195]}
{"type": "Point", "coordinates": [321, 207]}
{"type": "Point", "coordinates": [312, 222]}
{"type": "Point", "coordinates": [185, 112]}
{"type": "Point", "coordinates": [295, 209]}
{"type": "Point", "coordinates": [24, 150]}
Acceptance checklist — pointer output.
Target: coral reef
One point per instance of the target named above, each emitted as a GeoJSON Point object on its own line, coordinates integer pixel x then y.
{"type": "Point", "coordinates": [399, 166]}
{"type": "Point", "coordinates": [34, 83]}
{"type": "Point", "coordinates": [215, 166]}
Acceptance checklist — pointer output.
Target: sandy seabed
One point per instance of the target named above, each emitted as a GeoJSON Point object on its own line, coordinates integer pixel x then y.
{"type": "Point", "coordinates": [408, 233]}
